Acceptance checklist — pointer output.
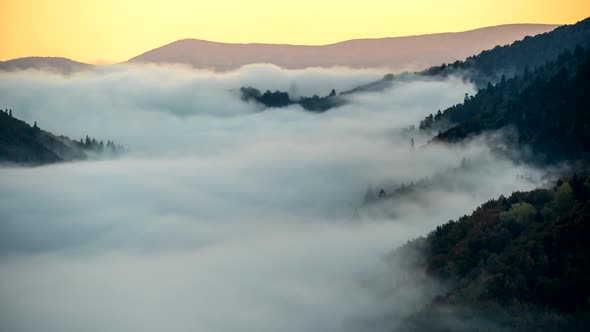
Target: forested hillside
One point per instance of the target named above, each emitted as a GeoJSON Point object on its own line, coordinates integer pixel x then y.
{"type": "Point", "coordinates": [23, 144]}
{"type": "Point", "coordinates": [549, 107]}
{"type": "Point", "coordinates": [518, 263]}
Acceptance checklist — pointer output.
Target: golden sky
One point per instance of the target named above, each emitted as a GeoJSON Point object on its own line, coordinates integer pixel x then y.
{"type": "Point", "coordinates": [116, 30]}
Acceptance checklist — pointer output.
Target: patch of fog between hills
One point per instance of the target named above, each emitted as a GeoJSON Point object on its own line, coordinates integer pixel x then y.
{"type": "Point", "coordinates": [157, 110]}
{"type": "Point", "coordinates": [225, 218]}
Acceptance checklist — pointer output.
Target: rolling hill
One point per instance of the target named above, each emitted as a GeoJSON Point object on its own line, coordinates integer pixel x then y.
{"type": "Point", "coordinates": [51, 64]}
{"type": "Point", "coordinates": [394, 54]}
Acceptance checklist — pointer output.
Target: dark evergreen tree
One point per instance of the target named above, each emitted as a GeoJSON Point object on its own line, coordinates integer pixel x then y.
{"type": "Point", "coordinates": [438, 116]}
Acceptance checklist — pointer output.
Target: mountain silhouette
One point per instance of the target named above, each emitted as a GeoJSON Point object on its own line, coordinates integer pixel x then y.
{"type": "Point", "coordinates": [51, 64]}
{"type": "Point", "coordinates": [395, 54]}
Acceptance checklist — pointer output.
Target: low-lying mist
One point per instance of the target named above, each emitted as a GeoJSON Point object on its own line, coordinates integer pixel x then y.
{"type": "Point", "coordinates": [224, 216]}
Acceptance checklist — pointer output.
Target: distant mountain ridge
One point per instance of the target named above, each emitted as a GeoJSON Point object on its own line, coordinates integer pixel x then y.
{"type": "Point", "coordinates": [393, 53]}
{"type": "Point", "coordinates": [52, 64]}
{"type": "Point", "coordinates": [407, 53]}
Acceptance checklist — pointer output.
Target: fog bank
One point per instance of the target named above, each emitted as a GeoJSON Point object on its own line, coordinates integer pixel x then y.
{"type": "Point", "coordinates": [225, 216]}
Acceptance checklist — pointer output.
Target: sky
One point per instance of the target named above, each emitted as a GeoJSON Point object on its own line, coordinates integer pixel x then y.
{"type": "Point", "coordinates": [117, 30]}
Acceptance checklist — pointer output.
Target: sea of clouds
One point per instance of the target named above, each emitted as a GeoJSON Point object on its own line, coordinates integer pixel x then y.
{"type": "Point", "coordinates": [224, 216]}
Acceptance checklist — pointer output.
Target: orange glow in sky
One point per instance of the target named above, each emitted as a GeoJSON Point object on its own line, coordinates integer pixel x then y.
{"type": "Point", "coordinates": [116, 30]}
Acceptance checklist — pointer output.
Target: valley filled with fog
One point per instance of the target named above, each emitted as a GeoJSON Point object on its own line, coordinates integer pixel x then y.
{"type": "Point", "coordinates": [222, 215]}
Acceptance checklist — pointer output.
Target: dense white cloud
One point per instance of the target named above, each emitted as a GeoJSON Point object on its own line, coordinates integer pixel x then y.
{"type": "Point", "coordinates": [223, 217]}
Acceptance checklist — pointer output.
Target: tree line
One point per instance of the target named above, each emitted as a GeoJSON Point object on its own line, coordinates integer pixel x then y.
{"type": "Point", "coordinates": [279, 99]}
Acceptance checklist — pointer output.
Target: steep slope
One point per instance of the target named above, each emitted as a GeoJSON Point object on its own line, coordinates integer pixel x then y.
{"type": "Point", "coordinates": [395, 54]}
{"type": "Point", "coordinates": [549, 107]}
{"type": "Point", "coordinates": [57, 65]}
